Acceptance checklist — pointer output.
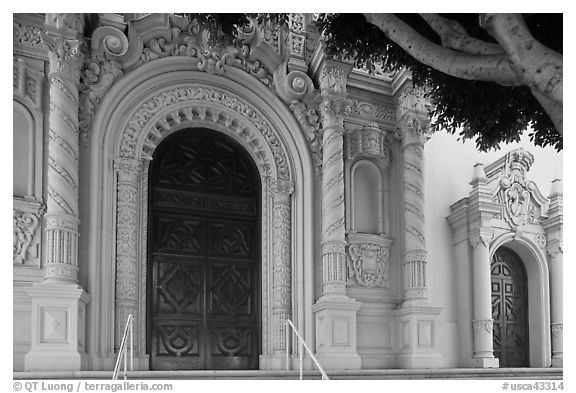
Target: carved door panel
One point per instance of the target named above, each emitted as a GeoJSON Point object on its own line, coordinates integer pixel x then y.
{"type": "Point", "coordinates": [204, 284]}
{"type": "Point", "coordinates": [510, 309]}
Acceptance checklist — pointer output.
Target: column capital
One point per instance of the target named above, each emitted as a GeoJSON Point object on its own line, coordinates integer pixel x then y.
{"type": "Point", "coordinates": [127, 168]}
{"type": "Point", "coordinates": [333, 108]}
{"type": "Point", "coordinates": [482, 236]}
{"type": "Point", "coordinates": [555, 248]}
{"type": "Point", "coordinates": [65, 56]}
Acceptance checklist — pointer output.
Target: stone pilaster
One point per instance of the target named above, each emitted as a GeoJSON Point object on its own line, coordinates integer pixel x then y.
{"type": "Point", "coordinates": [282, 266]}
{"type": "Point", "coordinates": [335, 311]}
{"type": "Point", "coordinates": [59, 303]}
{"type": "Point", "coordinates": [555, 249]}
{"type": "Point", "coordinates": [128, 175]}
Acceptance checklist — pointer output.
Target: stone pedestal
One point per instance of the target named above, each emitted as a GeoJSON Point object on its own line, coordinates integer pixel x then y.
{"type": "Point", "coordinates": [336, 332]}
{"type": "Point", "coordinates": [418, 336]}
{"type": "Point", "coordinates": [58, 320]}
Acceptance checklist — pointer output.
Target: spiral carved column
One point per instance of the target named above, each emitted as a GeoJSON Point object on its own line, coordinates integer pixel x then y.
{"type": "Point", "coordinates": [333, 225]}
{"type": "Point", "coordinates": [128, 172]}
{"type": "Point", "coordinates": [414, 230]}
{"type": "Point", "coordinates": [282, 267]}
{"type": "Point", "coordinates": [62, 218]}
{"type": "Point", "coordinates": [59, 302]}
{"type": "Point", "coordinates": [335, 312]}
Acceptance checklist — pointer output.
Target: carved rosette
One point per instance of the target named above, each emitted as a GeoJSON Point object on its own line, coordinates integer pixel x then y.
{"type": "Point", "coordinates": [282, 269]}
{"type": "Point", "coordinates": [24, 225]}
{"type": "Point", "coordinates": [128, 172]}
{"type": "Point", "coordinates": [369, 256]}
{"type": "Point", "coordinates": [27, 35]}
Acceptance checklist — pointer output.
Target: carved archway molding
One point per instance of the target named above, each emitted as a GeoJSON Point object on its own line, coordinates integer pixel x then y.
{"type": "Point", "coordinates": [141, 110]}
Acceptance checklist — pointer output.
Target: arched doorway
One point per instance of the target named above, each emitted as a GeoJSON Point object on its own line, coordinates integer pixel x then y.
{"type": "Point", "coordinates": [203, 254]}
{"type": "Point", "coordinates": [510, 309]}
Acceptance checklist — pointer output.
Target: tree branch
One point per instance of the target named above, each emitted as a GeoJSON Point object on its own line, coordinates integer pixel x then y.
{"type": "Point", "coordinates": [454, 36]}
{"type": "Point", "coordinates": [553, 109]}
{"type": "Point", "coordinates": [539, 67]}
{"type": "Point", "coordinates": [493, 68]}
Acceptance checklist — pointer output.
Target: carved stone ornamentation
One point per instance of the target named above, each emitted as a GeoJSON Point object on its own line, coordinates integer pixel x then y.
{"type": "Point", "coordinates": [97, 78]}
{"type": "Point", "coordinates": [484, 325]}
{"type": "Point", "coordinates": [27, 82]}
{"type": "Point", "coordinates": [310, 125]}
{"type": "Point", "coordinates": [333, 80]}
{"type": "Point", "coordinates": [557, 329]}
{"type": "Point", "coordinates": [282, 272]}
{"type": "Point", "coordinates": [27, 35]}
{"type": "Point", "coordinates": [127, 224]}
{"type": "Point", "coordinates": [196, 98]}
{"type": "Point", "coordinates": [24, 225]}
{"type": "Point", "coordinates": [369, 110]}
{"type": "Point", "coordinates": [514, 189]}
{"type": "Point", "coordinates": [369, 260]}
{"type": "Point", "coordinates": [368, 142]}
{"type": "Point", "coordinates": [541, 240]}
{"type": "Point", "coordinates": [64, 54]}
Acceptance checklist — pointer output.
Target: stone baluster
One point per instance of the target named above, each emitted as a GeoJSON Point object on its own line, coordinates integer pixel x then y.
{"type": "Point", "coordinates": [282, 268]}
{"type": "Point", "coordinates": [128, 175]}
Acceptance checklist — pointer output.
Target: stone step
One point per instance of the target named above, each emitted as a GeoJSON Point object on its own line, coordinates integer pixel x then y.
{"type": "Point", "coordinates": [397, 374]}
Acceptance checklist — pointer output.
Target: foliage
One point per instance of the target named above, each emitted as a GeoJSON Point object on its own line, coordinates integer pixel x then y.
{"type": "Point", "coordinates": [485, 111]}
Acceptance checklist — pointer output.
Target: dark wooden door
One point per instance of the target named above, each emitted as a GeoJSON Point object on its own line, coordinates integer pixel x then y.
{"type": "Point", "coordinates": [510, 309]}
{"type": "Point", "coordinates": [204, 280]}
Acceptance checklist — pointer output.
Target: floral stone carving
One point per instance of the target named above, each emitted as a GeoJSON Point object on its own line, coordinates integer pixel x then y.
{"type": "Point", "coordinates": [369, 259]}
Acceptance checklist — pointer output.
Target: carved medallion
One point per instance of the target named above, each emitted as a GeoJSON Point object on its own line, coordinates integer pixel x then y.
{"type": "Point", "coordinates": [369, 260]}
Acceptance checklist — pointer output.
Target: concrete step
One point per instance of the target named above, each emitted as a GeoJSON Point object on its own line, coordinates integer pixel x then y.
{"type": "Point", "coordinates": [397, 374]}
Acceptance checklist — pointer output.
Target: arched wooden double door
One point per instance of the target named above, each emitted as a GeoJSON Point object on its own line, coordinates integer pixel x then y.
{"type": "Point", "coordinates": [510, 309]}
{"type": "Point", "coordinates": [203, 254]}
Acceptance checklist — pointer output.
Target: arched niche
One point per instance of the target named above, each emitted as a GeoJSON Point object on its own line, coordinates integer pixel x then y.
{"type": "Point", "coordinates": [367, 198]}
{"type": "Point", "coordinates": [23, 151]}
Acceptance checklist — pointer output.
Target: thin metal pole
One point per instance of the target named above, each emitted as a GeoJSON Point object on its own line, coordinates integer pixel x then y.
{"type": "Point", "coordinates": [125, 362]}
{"type": "Point", "coordinates": [287, 341]}
{"type": "Point", "coordinates": [131, 343]}
{"type": "Point", "coordinates": [301, 354]}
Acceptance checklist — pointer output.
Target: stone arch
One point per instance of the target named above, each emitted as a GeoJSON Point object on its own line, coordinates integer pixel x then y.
{"type": "Point", "coordinates": [138, 112]}
{"type": "Point", "coordinates": [536, 266]}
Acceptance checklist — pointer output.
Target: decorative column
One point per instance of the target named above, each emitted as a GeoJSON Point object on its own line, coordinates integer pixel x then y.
{"type": "Point", "coordinates": [416, 317]}
{"type": "Point", "coordinates": [482, 210]}
{"type": "Point", "coordinates": [554, 246]}
{"type": "Point", "coordinates": [282, 267]}
{"type": "Point", "coordinates": [128, 175]}
{"type": "Point", "coordinates": [59, 302]}
{"type": "Point", "coordinates": [414, 226]}
{"type": "Point", "coordinates": [335, 311]}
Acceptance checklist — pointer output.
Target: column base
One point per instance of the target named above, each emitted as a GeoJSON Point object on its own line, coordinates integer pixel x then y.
{"type": "Point", "coordinates": [557, 362]}
{"type": "Point", "coordinates": [418, 338]}
{"type": "Point", "coordinates": [336, 332]}
{"type": "Point", "coordinates": [58, 326]}
{"type": "Point", "coordinates": [485, 362]}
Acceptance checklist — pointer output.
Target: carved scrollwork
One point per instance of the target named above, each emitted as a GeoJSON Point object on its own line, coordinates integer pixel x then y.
{"type": "Point", "coordinates": [27, 35]}
{"type": "Point", "coordinates": [24, 226]}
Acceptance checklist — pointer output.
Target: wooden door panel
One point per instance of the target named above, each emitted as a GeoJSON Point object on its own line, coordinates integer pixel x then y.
{"type": "Point", "coordinates": [204, 254]}
{"type": "Point", "coordinates": [509, 309]}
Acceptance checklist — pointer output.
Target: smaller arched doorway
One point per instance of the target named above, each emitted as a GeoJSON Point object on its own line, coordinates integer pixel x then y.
{"type": "Point", "coordinates": [203, 259]}
{"type": "Point", "coordinates": [510, 308]}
